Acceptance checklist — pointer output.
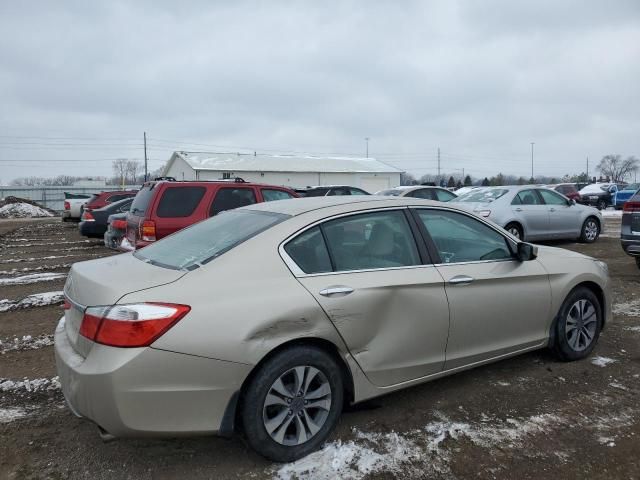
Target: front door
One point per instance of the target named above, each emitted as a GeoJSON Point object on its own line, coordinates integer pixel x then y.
{"type": "Point", "coordinates": [564, 221]}
{"type": "Point", "coordinates": [497, 304]}
{"type": "Point", "coordinates": [367, 274]}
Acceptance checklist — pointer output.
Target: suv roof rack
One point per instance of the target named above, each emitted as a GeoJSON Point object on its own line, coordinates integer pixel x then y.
{"type": "Point", "coordinates": [168, 179]}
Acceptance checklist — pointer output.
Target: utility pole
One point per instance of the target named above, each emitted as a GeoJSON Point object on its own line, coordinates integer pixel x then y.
{"type": "Point", "coordinates": [366, 139]}
{"type": "Point", "coordinates": [145, 156]}
{"type": "Point", "coordinates": [532, 144]}
{"type": "Point", "coordinates": [587, 169]}
{"type": "Point", "coordinates": [438, 164]}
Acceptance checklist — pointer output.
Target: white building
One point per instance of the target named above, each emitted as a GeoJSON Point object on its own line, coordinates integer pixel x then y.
{"type": "Point", "coordinates": [296, 171]}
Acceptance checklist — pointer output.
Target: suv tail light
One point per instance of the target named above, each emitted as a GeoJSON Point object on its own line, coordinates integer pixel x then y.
{"type": "Point", "coordinates": [119, 224]}
{"type": "Point", "coordinates": [134, 325]}
{"type": "Point", "coordinates": [631, 207]}
{"type": "Point", "coordinates": [148, 231]}
{"type": "Point", "coordinates": [87, 216]}
{"type": "Point", "coordinates": [67, 205]}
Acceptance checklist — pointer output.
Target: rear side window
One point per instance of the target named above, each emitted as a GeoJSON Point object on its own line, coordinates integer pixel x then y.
{"type": "Point", "coordinates": [309, 252]}
{"type": "Point", "coordinates": [357, 191]}
{"type": "Point", "coordinates": [179, 201]}
{"type": "Point", "coordinates": [142, 200]}
{"type": "Point", "coordinates": [317, 192]}
{"type": "Point", "coordinates": [527, 197]}
{"type": "Point", "coordinates": [339, 191]}
{"type": "Point", "coordinates": [269, 195]}
{"type": "Point", "coordinates": [230, 198]}
{"type": "Point", "coordinates": [424, 193]}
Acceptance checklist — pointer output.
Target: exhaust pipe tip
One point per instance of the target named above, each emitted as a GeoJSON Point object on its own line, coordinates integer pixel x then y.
{"type": "Point", "coordinates": [105, 436]}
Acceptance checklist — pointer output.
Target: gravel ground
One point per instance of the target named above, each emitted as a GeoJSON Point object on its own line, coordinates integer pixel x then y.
{"type": "Point", "coordinates": [527, 417]}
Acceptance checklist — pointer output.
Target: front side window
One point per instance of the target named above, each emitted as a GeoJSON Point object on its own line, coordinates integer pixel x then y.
{"type": "Point", "coordinates": [179, 201]}
{"type": "Point", "coordinates": [230, 198]}
{"type": "Point", "coordinates": [552, 198]}
{"type": "Point", "coordinates": [357, 191]}
{"type": "Point", "coordinates": [371, 240]}
{"type": "Point", "coordinates": [444, 195]}
{"type": "Point", "coordinates": [460, 238]}
{"type": "Point", "coordinates": [527, 197]}
{"type": "Point", "coordinates": [269, 195]}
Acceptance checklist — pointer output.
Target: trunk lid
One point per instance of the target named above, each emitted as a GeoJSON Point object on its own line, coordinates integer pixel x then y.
{"type": "Point", "coordinates": [103, 282]}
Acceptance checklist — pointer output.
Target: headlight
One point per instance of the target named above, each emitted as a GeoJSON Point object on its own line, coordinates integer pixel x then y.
{"type": "Point", "coordinates": [603, 266]}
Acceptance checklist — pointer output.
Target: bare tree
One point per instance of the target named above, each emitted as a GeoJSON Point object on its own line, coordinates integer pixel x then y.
{"type": "Point", "coordinates": [617, 168]}
{"type": "Point", "coordinates": [407, 179]}
{"type": "Point", "coordinates": [120, 169]}
{"type": "Point", "coordinates": [133, 167]}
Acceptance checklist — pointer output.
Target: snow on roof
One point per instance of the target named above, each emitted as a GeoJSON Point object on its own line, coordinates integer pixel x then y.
{"type": "Point", "coordinates": [233, 162]}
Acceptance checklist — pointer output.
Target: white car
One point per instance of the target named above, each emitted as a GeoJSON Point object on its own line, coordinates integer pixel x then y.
{"type": "Point", "coordinates": [73, 207]}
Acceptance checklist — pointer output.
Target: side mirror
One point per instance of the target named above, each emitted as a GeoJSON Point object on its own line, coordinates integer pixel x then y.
{"type": "Point", "coordinates": [526, 251]}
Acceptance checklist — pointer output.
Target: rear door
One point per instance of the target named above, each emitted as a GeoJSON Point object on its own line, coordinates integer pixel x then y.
{"type": "Point", "coordinates": [564, 221]}
{"type": "Point", "coordinates": [531, 212]}
{"type": "Point", "coordinates": [498, 305]}
{"type": "Point", "coordinates": [228, 198]}
{"type": "Point", "coordinates": [367, 273]}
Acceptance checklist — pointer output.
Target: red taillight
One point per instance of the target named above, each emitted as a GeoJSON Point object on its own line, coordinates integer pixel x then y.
{"type": "Point", "coordinates": [136, 325]}
{"type": "Point", "coordinates": [67, 205]}
{"type": "Point", "coordinates": [631, 207]}
{"type": "Point", "coordinates": [87, 216]}
{"type": "Point", "coordinates": [148, 231]}
{"type": "Point", "coordinates": [119, 224]}
{"type": "Point", "coordinates": [67, 304]}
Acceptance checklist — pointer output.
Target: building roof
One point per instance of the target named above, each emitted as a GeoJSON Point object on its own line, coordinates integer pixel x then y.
{"type": "Point", "coordinates": [241, 162]}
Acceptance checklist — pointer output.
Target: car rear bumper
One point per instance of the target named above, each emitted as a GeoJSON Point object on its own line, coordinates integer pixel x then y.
{"type": "Point", "coordinates": [631, 246]}
{"type": "Point", "coordinates": [137, 392]}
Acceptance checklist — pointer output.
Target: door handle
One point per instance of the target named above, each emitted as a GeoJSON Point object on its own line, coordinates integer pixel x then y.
{"type": "Point", "coordinates": [518, 209]}
{"type": "Point", "coordinates": [336, 291]}
{"type": "Point", "coordinates": [461, 280]}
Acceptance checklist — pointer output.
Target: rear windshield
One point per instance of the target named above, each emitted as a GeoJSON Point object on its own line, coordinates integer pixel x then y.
{"type": "Point", "coordinates": [481, 196]}
{"type": "Point", "coordinates": [141, 201]}
{"type": "Point", "coordinates": [204, 241]}
{"type": "Point", "coordinates": [394, 192]}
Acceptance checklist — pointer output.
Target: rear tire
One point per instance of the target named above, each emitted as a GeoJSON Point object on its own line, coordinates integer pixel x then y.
{"type": "Point", "coordinates": [292, 403]}
{"type": "Point", "coordinates": [638, 261]}
{"type": "Point", "coordinates": [577, 326]}
{"type": "Point", "coordinates": [602, 204]}
{"type": "Point", "coordinates": [515, 229]}
{"type": "Point", "coordinates": [590, 230]}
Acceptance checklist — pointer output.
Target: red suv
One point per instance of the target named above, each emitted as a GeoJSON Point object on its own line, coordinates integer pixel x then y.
{"type": "Point", "coordinates": [103, 199]}
{"type": "Point", "coordinates": [163, 207]}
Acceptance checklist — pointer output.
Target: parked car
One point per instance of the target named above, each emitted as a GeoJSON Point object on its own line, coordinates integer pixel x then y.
{"type": "Point", "coordinates": [164, 207]}
{"type": "Point", "coordinates": [93, 223]}
{"type": "Point", "coordinates": [630, 233]}
{"type": "Point", "coordinates": [569, 190]}
{"type": "Point", "coordinates": [534, 213]}
{"type": "Point", "coordinates": [103, 199]}
{"type": "Point", "coordinates": [73, 203]}
{"type": "Point", "coordinates": [463, 190]}
{"type": "Point", "coordinates": [116, 232]}
{"type": "Point", "coordinates": [329, 191]}
{"type": "Point", "coordinates": [625, 193]}
{"type": "Point", "coordinates": [271, 317]}
{"type": "Point", "coordinates": [418, 191]}
{"type": "Point", "coordinates": [600, 195]}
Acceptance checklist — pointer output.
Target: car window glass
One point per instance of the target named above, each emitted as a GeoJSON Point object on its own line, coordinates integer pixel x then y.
{"type": "Point", "coordinates": [179, 201]}
{"type": "Point", "coordinates": [357, 191]}
{"type": "Point", "coordinates": [371, 240]}
{"type": "Point", "coordinates": [444, 195]}
{"type": "Point", "coordinates": [526, 197]}
{"type": "Point", "coordinates": [142, 200]}
{"type": "Point", "coordinates": [309, 252]}
{"type": "Point", "coordinates": [230, 198]}
{"type": "Point", "coordinates": [339, 191]}
{"type": "Point", "coordinates": [421, 193]}
{"type": "Point", "coordinates": [460, 238]}
{"type": "Point", "coordinates": [270, 195]}
{"type": "Point", "coordinates": [552, 198]}
{"type": "Point", "coordinates": [116, 198]}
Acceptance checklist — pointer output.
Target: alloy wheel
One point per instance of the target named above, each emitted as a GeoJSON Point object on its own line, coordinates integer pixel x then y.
{"type": "Point", "coordinates": [297, 405]}
{"type": "Point", "coordinates": [591, 230]}
{"type": "Point", "coordinates": [581, 324]}
{"type": "Point", "coordinates": [514, 231]}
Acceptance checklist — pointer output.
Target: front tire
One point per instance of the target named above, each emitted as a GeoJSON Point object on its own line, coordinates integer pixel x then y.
{"type": "Point", "coordinates": [590, 230]}
{"type": "Point", "coordinates": [516, 230]}
{"type": "Point", "coordinates": [292, 403]}
{"type": "Point", "coordinates": [577, 326]}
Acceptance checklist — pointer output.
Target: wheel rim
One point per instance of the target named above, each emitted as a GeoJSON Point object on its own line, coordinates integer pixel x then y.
{"type": "Point", "coordinates": [580, 326]}
{"type": "Point", "coordinates": [514, 231]}
{"type": "Point", "coordinates": [297, 405]}
{"type": "Point", "coordinates": [591, 230]}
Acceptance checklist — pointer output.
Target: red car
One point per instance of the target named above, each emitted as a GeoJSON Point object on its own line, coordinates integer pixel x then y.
{"type": "Point", "coordinates": [569, 190]}
{"type": "Point", "coordinates": [103, 199]}
{"type": "Point", "coordinates": [165, 206]}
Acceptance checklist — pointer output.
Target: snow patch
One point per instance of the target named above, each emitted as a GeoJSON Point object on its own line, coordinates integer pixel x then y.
{"type": "Point", "coordinates": [15, 271]}
{"type": "Point", "coordinates": [610, 212]}
{"type": "Point", "coordinates": [35, 300]}
{"type": "Point", "coordinates": [10, 414]}
{"type": "Point", "coordinates": [23, 210]}
{"type": "Point", "coordinates": [26, 385]}
{"type": "Point", "coordinates": [633, 329]}
{"type": "Point", "coordinates": [630, 309]}
{"type": "Point", "coordinates": [602, 361]}
{"type": "Point", "coordinates": [27, 342]}
{"type": "Point", "coordinates": [32, 278]}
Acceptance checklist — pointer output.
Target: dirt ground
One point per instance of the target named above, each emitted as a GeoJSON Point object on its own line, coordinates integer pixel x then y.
{"type": "Point", "coordinates": [529, 417]}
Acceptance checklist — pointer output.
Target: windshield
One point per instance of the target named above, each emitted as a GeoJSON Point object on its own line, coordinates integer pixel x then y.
{"type": "Point", "coordinates": [204, 241]}
{"type": "Point", "coordinates": [481, 196]}
{"type": "Point", "coordinates": [633, 187]}
{"type": "Point", "coordinates": [596, 188]}
{"type": "Point", "coordinates": [394, 192]}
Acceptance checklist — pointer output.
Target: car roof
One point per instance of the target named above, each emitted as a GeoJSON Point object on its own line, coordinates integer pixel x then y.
{"type": "Point", "coordinates": [212, 182]}
{"type": "Point", "coordinates": [299, 206]}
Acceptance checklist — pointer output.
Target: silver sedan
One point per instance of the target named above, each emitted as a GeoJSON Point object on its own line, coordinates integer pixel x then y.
{"type": "Point", "coordinates": [271, 317]}
{"type": "Point", "coordinates": [534, 213]}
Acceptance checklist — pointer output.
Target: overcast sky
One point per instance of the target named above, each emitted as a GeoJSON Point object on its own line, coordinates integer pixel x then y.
{"type": "Point", "coordinates": [480, 80]}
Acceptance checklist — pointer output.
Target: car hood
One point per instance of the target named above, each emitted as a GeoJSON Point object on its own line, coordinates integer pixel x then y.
{"type": "Point", "coordinates": [106, 280]}
{"type": "Point", "coordinates": [546, 252]}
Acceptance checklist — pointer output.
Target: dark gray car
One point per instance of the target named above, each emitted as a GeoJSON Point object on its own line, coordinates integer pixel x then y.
{"type": "Point", "coordinates": [630, 233]}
